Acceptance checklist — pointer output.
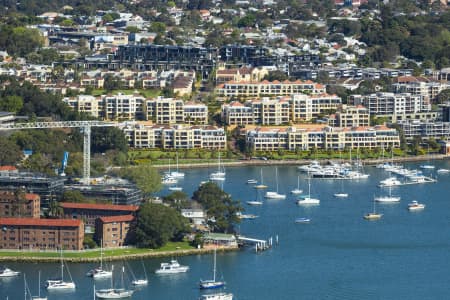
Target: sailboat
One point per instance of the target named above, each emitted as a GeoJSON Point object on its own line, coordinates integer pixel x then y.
{"type": "Point", "coordinates": [99, 272]}
{"type": "Point", "coordinates": [168, 178]}
{"type": "Point", "coordinates": [177, 173]}
{"type": "Point", "coordinates": [306, 199]}
{"type": "Point", "coordinates": [373, 215]}
{"type": "Point", "coordinates": [427, 165]}
{"type": "Point", "coordinates": [216, 296]}
{"type": "Point", "coordinates": [261, 185]}
{"type": "Point", "coordinates": [39, 290]}
{"type": "Point", "coordinates": [60, 284]}
{"type": "Point", "coordinates": [275, 195]}
{"type": "Point", "coordinates": [388, 198]}
{"type": "Point", "coordinates": [212, 283]}
{"type": "Point", "coordinates": [341, 194]}
{"type": "Point", "coordinates": [297, 190]}
{"type": "Point", "coordinates": [257, 200]}
{"type": "Point", "coordinates": [113, 293]}
{"type": "Point", "coordinates": [136, 281]}
{"type": "Point", "coordinates": [220, 174]}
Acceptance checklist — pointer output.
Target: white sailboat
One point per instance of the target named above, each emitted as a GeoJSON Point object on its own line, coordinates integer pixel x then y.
{"type": "Point", "coordinates": [60, 284]}
{"type": "Point", "coordinates": [427, 165]}
{"type": "Point", "coordinates": [275, 195]}
{"type": "Point", "coordinates": [39, 290]}
{"type": "Point", "coordinates": [113, 293]}
{"type": "Point", "coordinates": [177, 173]}
{"type": "Point", "coordinates": [297, 190]}
{"type": "Point", "coordinates": [388, 198]}
{"type": "Point", "coordinates": [212, 283]}
{"type": "Point", "coordinates": [341, 194]}
{"type": "Point", "coordinates": [306, 199]}
{"type": "Point", "coordinates": [99, 272]}
{"type": "Point", "coordinates": [261, 185]}
{"type": "Point", "coordinates": [139, 281]}
{"type": "Point", "coordinates": [373, 215]}
{"type": "Point", "coordinates": [257, 200]}
{"type": "Point", "coordinates": [220, 174]}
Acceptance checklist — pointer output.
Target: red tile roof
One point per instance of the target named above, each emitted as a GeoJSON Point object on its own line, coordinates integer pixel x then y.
{"type": "Point", "coordinates": [39, 222]}
{"type": "Point", "coordinates": [32, 197]}
{"type": "Point", "coordinates": [99, 206]}
{"type": "Point", "coordinates": [8, 168]}
{"type": "Point", "coordinates": [125, 218]}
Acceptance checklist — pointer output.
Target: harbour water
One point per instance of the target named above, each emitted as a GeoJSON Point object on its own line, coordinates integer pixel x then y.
{"type": "Point", "coordinates": [338, 255]}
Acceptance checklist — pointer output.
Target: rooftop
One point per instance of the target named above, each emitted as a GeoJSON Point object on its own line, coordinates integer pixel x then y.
{"type": "Point", "coordinates": [125, 218]}
{"type": "Point", "coordinates": [39, 222]}
{"type": "Point", "coordinates": [99, 206]}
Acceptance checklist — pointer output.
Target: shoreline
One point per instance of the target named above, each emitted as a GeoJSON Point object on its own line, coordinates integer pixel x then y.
{"type": "Point", "coordinates": [259, 162]}
{"type": "Point", "coordinates": [150, 254]}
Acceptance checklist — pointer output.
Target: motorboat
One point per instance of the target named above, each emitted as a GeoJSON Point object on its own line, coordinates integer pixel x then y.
{"type": "Point", "coordinates": [175, 188]}
{"type": "Point", "coordinates": [302, 220]}
{"type": "Point", "coordinates": [138, 282]}
{"type": "Point", "coordinates": [340, 195]}
{"type": "Point", "coordinates": [216, 296]}
{"type": "Point", "coordinates": [443, 171]}
{"type": "Point", "coordinates": [391, 181]}
{"type": "Point", "coordinates": [113, 294]}
{"type": "Point", "coordinates": [7, 272]}
{"type": "Point", "coordinates": [255, 202]}
{"type": "Point", "coordinates": [427, 167]}
{"type": "Point", "coordinates": [274, 195]}
{"type": "Point", "coordinates": [246, 216]}
{"type": "Point", "coordinates": [172, 267]}
{"type": "Point", "coordinates": [387, 199]}
{"type": "Point", "coordinates": [414, 206]}
{"type": "Point", "coordinates": [252, 181]}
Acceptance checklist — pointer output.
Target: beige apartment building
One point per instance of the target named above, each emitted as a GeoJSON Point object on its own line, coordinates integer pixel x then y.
{"type": "Point", "coordinates": [174, 111]}
{"type": "Point", "coordinates": [352, 116]}
{"type": "Point", "coordinates": [243, 74]}
{"type": "Point", "coordinates": [312, 136]}
{"type": "Point", "coordinates": [268, 88]}
{"type": "Point", "coordinates": [307, 107]}
{"type": "Point", "coordinates": [175, 137]}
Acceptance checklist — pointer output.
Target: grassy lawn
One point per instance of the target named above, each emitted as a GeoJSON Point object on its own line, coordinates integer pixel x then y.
{"type": "Point", "coordinates": [171, 246]}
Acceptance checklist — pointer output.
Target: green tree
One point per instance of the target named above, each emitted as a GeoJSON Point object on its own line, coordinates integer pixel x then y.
{"type": "Point", "coordinates": [10, 153]}
{"type": "Point", "coordinates": [220, 208]}
{"type": "Point", "coordinates": [11, 103]}
{"type": "Point", "coordinates": [108, 138]}
{"type": "Point", "coordinates": [146, 178]}
{"type": "Point", "coordinates": [443, 96]}
{"type": "Point", "coordinates": [73, 196]}
{"type": "Point", "coordinates": [177, 200]}
{"type": "Point", "coordinates": [158, 224]}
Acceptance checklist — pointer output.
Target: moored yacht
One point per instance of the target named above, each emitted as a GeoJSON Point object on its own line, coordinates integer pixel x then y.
{"type": "Point", "coordinates": [172, 267]}
{"type": "Point", "coordinates": [414, 205]}
{"type": "Point", "coordinates": [391, 181]}
{"type": "Point", "coordinates": [217, 296]}
{"type": "Point", "coordinates": [7, 272]}
{"type": "Point", "coordinates": [387, 199]}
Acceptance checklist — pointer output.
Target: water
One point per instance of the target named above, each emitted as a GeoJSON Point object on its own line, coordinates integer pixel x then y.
{"type": "Point", "coordinates": [337, 256]}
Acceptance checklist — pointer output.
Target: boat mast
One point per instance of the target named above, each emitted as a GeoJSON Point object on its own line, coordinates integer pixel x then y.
{"type": "Point", "coordinates": [276, 177]}
{"type": "Point", "coordinates": [214, 270]}
{"type": "Point", "coordinates": [62, 267]}
{"type": "Point", "coordinates": [39, 284]}
{"type": "Point", "coordinates": [112, 281]}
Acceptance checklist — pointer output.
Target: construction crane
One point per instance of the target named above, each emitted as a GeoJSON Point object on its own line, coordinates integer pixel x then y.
{"type": "Point", "coordinates": [85, 127]}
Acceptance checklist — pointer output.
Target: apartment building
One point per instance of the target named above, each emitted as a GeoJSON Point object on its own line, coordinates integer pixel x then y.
{"type": "Point", "coordinates": [123, 107]}
{"type": "Point", "coordinates": [195, 113]}
{"type": "Point", "coordinates": [243, 74]}
{"type": "Point", "coordinates": [312, 136]}
{"type": "Point", "coordinates": [271, 111]}
{"type": "Point", "coordinates": [236, 113]}
{"type": "Point", "coordinates": [307, 107]}
{"type": "Point", "coordinates": [41, 234]}
{"type": "Point", "coordinates": [19, 205]}
{"type": "Point", "coordinates": [114, 231]}
{"type": "Point", "coordinates": [266, 88]}
{"type": "Point", "coordinates": [425, 129]}
{"type": "Point", "coordinates": [423, 86]}
{"type": "Point", "coordinates": [352, 116]}
{"type": "Point", "coordinates": [391, 103]}
{"type": "Point", "coordinates": [175, 137]}
{"type": "Point", "coordinates": [89, 212]}
{"type": "Point", "coordinates": [91, 105]}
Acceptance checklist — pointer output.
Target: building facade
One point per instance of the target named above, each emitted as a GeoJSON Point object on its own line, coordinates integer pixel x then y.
{"type": "Point", "coordinates": [321, 137]}
{"type": "Point", "coordinates": [19, 205]}
{"type": "Point", "coordinates": [41, 234]}
{"type": "Point", "coordinates": [114, 231]}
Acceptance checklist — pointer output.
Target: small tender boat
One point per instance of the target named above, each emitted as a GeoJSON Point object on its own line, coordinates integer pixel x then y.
{"type": "Point", "coordinates": [372, 216]}
{"type": "Point", "coordinates": [414, 206]}
{"type": "Point", "coordinates": [217, 296]}
{"type": "Point", "coordinates": [302, 220]}
{"type": "Point", "coordinates": [340, 195]}
{"type": "Point", "coordinates": [252, 181]}
{"type": "Point", "coordinates": [173, 267]}
{"type": "Point", "coordinates": [175, 188]}
{"type": "Point", "coordinates": [254, 202]}
{"type": "Point", "coordinates": [427, 166]}
{"type": "Point", "coordinates": [246, 216]}
{"type": "Point", "coordinates": [6, 272]}
{"type": "Point", "coordinates": [443, 171]}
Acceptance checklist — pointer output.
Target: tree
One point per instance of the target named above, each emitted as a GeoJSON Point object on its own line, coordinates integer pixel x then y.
{"type": "Point", "coordinates": [443, 96]}
{"type": "Point", "coordinates": [177, 200]}
{"type": "Point", "coordinates": [108, 138]}
{"type": "Point", "coordinates": [220, 208]}
{"type": "Point", "coordinates": [11, 103]}
{"type": "Point", "coordinates": [73, 196]}
{"type": "Point", "coordinates": [10, 153]}
{"type": "Point", "coordinates": [146, 178]}
{"type": "Point", "coordinates": [158, 224]}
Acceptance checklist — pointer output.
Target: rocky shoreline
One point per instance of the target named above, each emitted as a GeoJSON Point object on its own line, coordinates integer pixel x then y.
{"type": "Point", "coordinates": [150, 254]}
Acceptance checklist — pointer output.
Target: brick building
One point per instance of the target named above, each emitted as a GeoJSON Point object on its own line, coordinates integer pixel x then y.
{"type": "Point", "coordinates": [90, 212]}
{"type": "Point", "coordinates": [25, 206]}
{"type": "Point", "coordinates": [114, 231]}
{"type": "Point", "coordinates": [30, 233]}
